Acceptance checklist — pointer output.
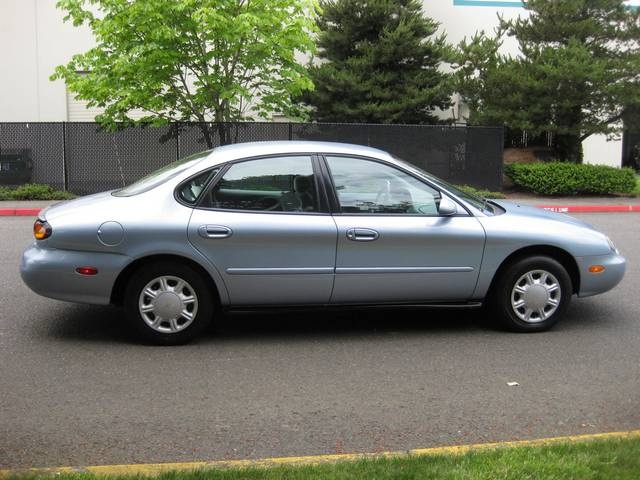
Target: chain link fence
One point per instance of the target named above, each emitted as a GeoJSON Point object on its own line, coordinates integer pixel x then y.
{"type": "Point", "coordinates": [83, 158]}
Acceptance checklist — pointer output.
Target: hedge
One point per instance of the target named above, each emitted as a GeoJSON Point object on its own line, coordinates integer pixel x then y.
{"type": "Point", "coordinates": [34, 191]}
{"type": "Point", "coordinates": [559, 178]}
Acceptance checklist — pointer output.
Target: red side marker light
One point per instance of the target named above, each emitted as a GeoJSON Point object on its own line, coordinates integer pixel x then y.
{"type": "Point", "coordinates": [87, 270]}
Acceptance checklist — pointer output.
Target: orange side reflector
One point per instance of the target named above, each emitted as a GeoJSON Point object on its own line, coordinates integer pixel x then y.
{"type": "Point", "coordinates": [596, 269]}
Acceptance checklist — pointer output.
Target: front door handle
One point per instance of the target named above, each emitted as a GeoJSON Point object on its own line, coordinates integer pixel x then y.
{"type": "Point", "coordinates": [214, 231]}
{"type": "Point", "coordinates": [362, 234]}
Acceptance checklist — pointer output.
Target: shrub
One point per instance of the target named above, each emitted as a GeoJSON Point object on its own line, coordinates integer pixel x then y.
{"type": "Point", "coordinates": [559, 178]}
{"type": "Point", "coordinates": [481, 192]}
{"type": "Point", "coordinates": [34, 191]}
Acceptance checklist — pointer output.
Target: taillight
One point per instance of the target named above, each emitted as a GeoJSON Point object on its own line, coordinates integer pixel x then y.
{"type": "Point", "coordinates": [41, 229]}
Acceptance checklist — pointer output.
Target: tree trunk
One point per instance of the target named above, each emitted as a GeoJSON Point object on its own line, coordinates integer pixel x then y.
{"type": "Point", "coordinates": [206, 133]}
{"type": "Point", "coordinates": [223, 133]}
{"type": "Point", "coordinates": [568, 148]}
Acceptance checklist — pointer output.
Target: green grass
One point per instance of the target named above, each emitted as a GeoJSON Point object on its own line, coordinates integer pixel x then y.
{"type": "Point", "coordinates": [603, 459]}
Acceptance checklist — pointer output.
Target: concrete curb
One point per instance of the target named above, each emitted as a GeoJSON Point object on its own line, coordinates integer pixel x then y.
{"type": "Point", "coordinates": [152, 469]}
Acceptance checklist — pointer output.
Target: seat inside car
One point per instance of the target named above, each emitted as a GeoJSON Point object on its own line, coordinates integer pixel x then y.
{"type": "Point", "coordinates": [302, 197]}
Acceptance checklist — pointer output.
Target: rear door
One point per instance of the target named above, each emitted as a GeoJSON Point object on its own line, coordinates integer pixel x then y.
{"type": "Point", "coordinates": [265, 228]}
{"type": "Point", "coordinates": [393, 246]}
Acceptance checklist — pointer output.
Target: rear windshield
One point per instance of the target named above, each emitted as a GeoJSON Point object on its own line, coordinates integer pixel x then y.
{"type": "Point", "coordinates": [160, 176]}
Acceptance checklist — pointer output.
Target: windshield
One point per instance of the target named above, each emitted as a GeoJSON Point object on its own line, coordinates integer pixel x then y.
{"type": "Point", "coordinates": [475, 200]}
{"type": "Point", "coordinates": [160, 176]}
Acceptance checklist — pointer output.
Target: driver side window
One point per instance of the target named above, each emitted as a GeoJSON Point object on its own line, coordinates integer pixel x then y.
{"type": "Point", "coordinates": [366, 186]}
{"type": "Point", "coordinates": [275, 184]}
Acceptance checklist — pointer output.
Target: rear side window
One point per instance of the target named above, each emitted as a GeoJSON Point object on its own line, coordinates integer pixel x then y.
{"type": "Point", "coordinates": [275, 184]}
{"type": "Point", "coordinates": [191, 190]}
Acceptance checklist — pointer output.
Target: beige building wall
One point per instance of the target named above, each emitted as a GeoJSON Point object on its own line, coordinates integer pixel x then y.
{"type": "Point", "coordinates": [35, 40]}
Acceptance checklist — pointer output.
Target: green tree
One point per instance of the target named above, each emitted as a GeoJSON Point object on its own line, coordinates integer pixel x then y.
{"type": "Point", "coordinates": [190, 60]}
{"type": "Point", "coordinates": [378, 63]}
{"type": "Point", "coordinates": [578, 70]}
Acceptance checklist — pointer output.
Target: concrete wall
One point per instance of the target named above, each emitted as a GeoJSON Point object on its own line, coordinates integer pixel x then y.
{"type": "Point", "coordinates": [598, 150]}
{"type": "Point", "coordinates": [463, 18]}
{"type": "Point", "coordinates": [34, 41]}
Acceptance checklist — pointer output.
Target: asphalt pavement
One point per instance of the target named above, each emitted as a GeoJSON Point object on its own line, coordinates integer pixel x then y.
{"type": "Point", "coordinates": [75, 389]}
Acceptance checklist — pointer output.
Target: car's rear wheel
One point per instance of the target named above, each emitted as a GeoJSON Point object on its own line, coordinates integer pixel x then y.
{"type": "Point", "coordinates": [532, 294]}
{"type": "Point", "coordinates": [168, 303]}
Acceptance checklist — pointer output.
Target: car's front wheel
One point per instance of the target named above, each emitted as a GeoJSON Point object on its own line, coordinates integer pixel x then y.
{"type": "Point", "coordinates": [532, 294]}
{"type": "Point", "coordinates": [168, 303]}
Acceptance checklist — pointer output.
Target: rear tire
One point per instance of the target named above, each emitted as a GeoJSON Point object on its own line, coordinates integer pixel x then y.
{"type": "Point", "coordinates": [168, 303]}
{"type": "Point", "coordinates": [531, 295]}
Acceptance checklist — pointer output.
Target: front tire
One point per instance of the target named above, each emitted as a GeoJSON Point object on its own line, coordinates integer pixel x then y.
{"type": "Point", "coordinates": [532, 294]}
{"type": "Point", "coordinates": [168, 303]}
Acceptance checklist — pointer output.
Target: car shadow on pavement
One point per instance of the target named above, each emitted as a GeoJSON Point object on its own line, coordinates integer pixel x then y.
{"type": "Point", "coordinates": [107, 324]}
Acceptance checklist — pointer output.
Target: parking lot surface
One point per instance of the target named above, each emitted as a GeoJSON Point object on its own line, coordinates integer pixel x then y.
{"type": "Point", "coordinates": [75, 388]}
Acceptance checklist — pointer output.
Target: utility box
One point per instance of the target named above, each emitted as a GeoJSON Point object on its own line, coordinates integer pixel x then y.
{"type": "Point", "coordinates": [16, 166]}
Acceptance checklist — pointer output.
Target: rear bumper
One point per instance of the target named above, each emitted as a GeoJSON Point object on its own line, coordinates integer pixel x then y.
{"type": "Point", "coordinates": [595, 283]}
{"type": "Point", "coordinates": [52, 273]}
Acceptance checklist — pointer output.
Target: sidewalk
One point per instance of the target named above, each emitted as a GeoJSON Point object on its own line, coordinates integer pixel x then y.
{"type": "Point", "coordinates": [558, 204]}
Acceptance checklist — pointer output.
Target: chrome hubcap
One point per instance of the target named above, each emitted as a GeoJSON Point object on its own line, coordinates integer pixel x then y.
{"type": "Point", "coordinates": [536, 296]}
{"type": "Point", "coordinates": [168, 304]}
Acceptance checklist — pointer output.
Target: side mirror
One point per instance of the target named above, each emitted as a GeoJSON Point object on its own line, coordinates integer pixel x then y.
{"type": "Point", "coordinates": [447, 207]}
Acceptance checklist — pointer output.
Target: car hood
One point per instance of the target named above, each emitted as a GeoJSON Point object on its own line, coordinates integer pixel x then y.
{"type": "Point", "coordinates": [73, 206]}
{"type": "Point", "coordinates": [535, 212]}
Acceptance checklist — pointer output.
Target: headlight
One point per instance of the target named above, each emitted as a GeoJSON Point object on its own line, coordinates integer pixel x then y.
{"type": "Point", "coordinates": [613, 247]}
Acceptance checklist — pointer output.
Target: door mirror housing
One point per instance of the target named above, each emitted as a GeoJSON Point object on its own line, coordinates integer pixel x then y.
{"type": "Point", "coordinates": [447, 207]}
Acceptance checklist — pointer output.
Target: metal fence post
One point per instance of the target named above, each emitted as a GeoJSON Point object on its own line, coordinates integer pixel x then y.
{"type": "Point", "coordinates": [290, 131]}
{"type": "Point", "coordinates": [177, 140]}
{"type": "Point", "coordinates": [65, 172]}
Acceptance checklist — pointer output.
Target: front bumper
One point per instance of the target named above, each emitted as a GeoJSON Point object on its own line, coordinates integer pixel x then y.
{"type": "Point", "coordinates": [595, 283]}
{"type": "Point", "coordinates": [52, 273]}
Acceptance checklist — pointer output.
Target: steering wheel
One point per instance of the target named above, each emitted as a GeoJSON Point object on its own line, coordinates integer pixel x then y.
{"type": "Point", "coordinates": [274, 203]}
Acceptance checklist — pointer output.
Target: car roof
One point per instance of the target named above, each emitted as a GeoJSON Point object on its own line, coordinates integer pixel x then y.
{"type": "Point", "coordinates": [254, 149]}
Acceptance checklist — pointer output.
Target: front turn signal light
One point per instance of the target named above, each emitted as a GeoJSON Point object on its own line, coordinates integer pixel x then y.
{"type": "Point", "coordinates": [41, 230]}
{"type": "Point", "coordinates": [596, 269]}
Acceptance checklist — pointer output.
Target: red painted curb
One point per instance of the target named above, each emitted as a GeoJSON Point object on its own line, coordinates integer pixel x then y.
{"type": "Point", "coordinates": [32, 212]}
{"type": "Point", "coordinates": [19, 212]}
{"type": "Point", "coordinates": [591, 208]}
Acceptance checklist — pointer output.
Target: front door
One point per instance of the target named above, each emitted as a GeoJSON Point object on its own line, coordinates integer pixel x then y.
{"type": "Point", "coordinates": [262, 228]}
{"type": "Point", "coordinates": [392, 244]}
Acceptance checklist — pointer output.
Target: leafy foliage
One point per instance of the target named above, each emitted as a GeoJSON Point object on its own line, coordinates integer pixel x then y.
{"type": "Point", "coordinates": [481, 192]}
{"type": "Point", "coordinates": [190, 60]}
{"type": "Point", "coordinates": [379, 64]}
{"type": "Point", "coordinates": [578, 70]}
{"type": "Point", "coordinates": [34, 191]}
{"type": "Point", "coordinates": [561, 178]}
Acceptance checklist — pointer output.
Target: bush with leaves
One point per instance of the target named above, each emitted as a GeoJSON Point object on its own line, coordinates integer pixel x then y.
{"type": "Point", "coordinates": [561, 178]}
{"type": "Point", "coordinates": [34, 191]}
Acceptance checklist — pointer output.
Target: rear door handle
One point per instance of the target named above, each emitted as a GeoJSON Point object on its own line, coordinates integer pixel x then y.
{"type": "Point", "coordinates": [362, 234]}
{"type": "Point", "coordinates": [214, 231]}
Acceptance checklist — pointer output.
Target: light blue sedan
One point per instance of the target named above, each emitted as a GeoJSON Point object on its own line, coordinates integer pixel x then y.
{"type": "Point", "coordinates": [313, 224]}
